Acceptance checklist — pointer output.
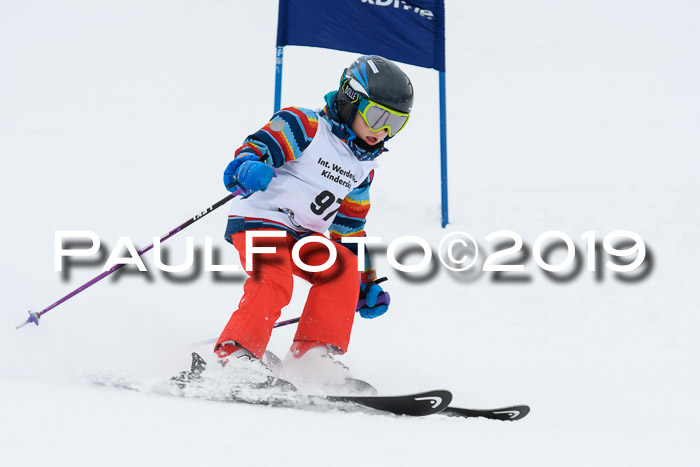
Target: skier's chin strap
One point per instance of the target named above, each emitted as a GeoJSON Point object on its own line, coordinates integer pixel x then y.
{"type": "Point", "coordinates": [374, 151]}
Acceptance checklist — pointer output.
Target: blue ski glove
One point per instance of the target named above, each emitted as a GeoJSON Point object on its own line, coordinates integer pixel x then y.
{"type": "Point", "coordinates": [249, 173]}
{"type": "Point", "coordinates": [373, 300]}
{"type": "Point", "coordinates": [254, 175]}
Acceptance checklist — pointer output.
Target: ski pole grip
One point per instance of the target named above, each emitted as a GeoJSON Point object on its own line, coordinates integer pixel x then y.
{"type": "Point", "coordinates": [383, 299]}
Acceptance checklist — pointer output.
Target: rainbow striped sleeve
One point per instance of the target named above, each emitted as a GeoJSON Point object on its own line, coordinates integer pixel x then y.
{"type": "Point", "coordinates": [351, 217]}
{"type": "Point", "coordinates": [284, 138]}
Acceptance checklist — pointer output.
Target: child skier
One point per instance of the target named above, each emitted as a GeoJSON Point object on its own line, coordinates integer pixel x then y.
{"type": "Point", "coordinates": [304, 173]}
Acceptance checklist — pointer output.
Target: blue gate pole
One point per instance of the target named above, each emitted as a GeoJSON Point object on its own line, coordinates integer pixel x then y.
{"type": "Point", "coordinates": [278, 77]}
{"type": "Point", "coordinates": [443, 149]}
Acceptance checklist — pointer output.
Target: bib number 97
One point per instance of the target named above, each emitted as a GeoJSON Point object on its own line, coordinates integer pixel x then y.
{"type": "Point", "coordinates": [323, 202]}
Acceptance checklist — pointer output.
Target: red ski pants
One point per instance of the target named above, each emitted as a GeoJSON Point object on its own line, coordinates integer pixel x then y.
{"type": "Point", "coordinates": [330, 307]}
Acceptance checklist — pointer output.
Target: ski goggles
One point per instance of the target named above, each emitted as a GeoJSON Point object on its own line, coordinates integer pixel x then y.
{"type": "Point", "coordinates": [379, 117]}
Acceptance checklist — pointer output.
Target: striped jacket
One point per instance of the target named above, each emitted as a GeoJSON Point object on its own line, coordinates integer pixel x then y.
{"type": "Point", "coordinates": [277, 147]}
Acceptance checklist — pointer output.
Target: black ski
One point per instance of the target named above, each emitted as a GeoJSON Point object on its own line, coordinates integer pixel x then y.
{"type": "Point", "coordinates": [414, 405]}
{"type": "Point", "coordinates": [512, 413]}
{"type": "Point", "coordinates": [279, 393]}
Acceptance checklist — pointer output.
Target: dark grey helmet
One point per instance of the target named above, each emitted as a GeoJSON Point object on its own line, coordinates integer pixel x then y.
{"type": "Point", "coordinates": [377, 79]}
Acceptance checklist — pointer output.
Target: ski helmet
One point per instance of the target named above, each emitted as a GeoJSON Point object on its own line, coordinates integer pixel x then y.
{"type": "Point", "coordinates": [377, 79]}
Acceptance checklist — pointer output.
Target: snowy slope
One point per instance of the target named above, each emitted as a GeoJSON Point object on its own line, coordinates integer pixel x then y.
{"type": "Point", "coordinates": [118, 117]}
